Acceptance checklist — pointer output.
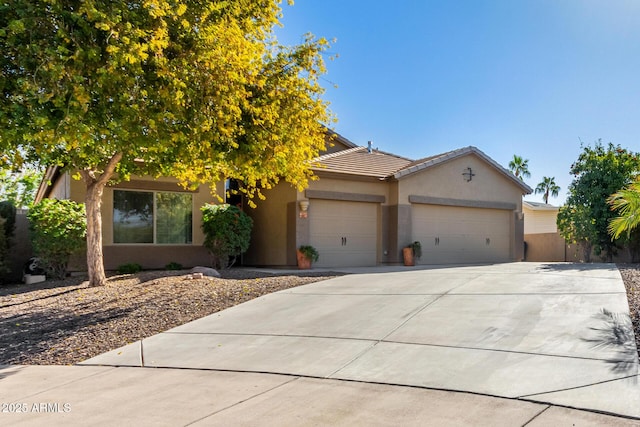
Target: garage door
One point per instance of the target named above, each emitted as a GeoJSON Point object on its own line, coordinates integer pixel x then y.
{"type": "Point", "coordinates": [344, 233]}
{"type": "Point", "coordinates": [452, 235]}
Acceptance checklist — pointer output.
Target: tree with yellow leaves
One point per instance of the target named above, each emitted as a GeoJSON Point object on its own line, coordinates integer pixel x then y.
{"type": "Point", "coordinates": [197, 90]}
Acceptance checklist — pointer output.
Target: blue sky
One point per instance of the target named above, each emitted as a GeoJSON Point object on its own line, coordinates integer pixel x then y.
{"type": "Point", "coordinates": [526, 77]}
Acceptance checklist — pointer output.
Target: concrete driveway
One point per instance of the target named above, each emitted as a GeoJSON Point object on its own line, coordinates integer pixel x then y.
{"type": "Point", "coordinates": [550, 333]}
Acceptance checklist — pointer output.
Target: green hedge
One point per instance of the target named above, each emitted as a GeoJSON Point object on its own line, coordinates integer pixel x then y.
{"type": "Point", "coordinates": [227, 231]}
{"type": "Point", "coordinates": [58, 230]}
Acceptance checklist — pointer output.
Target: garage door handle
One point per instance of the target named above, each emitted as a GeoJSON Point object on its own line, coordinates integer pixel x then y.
{"type": "Point", "coordinates": [488, 241]}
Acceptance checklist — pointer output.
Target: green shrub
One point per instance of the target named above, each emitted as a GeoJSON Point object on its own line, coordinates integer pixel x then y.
{"type": "Point", "coordinates": [58, 230]}
{"type": "Point", "coordinates": [309, 252]}
{"type": "Point", "coordinates": [417, 249]}
{"type": "Point", "coordinates": [173, 266]}
{"type": "Point", "coordinates": [130, 268]}
{"type": "Point", "coordinates": [8, 213]}
{"type": "Point", "coordinates": [227, 232]}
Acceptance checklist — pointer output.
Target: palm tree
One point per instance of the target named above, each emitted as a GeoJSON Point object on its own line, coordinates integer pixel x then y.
{"type": "Point", "coordinates": [627, 203]}
{"type": "Point", "coordinates": [548, 186]}
{"type": "Point", "coordinates": [519, 167]}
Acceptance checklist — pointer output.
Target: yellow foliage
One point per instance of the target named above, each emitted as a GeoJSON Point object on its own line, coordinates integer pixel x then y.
{"type": "Point", "coordinates": [198, 90]}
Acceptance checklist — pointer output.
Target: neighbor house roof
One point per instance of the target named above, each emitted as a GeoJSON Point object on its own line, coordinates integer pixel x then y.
{"type": "Point", "coordinates": [537, 206]}
{"type": "Point", "coordinates": [51, 174]}
{"type": "Point", "coordinates": [361, 161]}
{"type": "Point", "coordinates": [428, 162]}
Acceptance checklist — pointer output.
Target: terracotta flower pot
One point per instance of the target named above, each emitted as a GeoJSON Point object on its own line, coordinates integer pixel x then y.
{"type": "Point", "coordinates": [407, 255]}
{"type": "Point", "coordinates": [304, 263]}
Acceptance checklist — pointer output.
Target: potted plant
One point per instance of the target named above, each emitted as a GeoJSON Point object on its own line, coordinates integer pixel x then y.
{"type": "Point", "coordinates": [306, 255]}
{"type": "Point", "coordinates": [411, 252]}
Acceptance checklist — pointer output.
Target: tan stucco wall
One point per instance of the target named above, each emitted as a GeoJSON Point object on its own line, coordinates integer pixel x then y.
{"type": "Point", "coordinates": [148, 256]}
{"type": "Point", "coordinates": [272, 238]}
{"type": "Point", "coordinates": [446, 181]}
{"type": "Point", "coordinates": [539, 221]}
{"type": "Point", "coordinates": [155, 256]}
{"type": "Point", "coordinates": [352, 186]}
{"type": "Point", "coordinates": [547, 247]}
{"type": "Point", "coordinates": [200, 197]}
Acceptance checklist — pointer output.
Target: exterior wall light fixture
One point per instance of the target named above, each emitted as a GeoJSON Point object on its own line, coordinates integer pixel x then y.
{"type": "Point", "coordinates": [304, 207]}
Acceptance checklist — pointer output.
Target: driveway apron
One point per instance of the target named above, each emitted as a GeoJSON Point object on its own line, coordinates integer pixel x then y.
{"type": "Point", "coordinates": [552, 333]}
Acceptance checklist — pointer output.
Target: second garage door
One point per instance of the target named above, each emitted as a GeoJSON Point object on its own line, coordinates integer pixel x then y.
{"type": "Point", "coordinates": [344, 233]}
{"type": "Point", "coordinates": [451, 234]}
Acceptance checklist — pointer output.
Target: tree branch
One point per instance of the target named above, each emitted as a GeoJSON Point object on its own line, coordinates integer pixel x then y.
{"type": "Point", "coordinates": [89, 175]}
{"type": "Point", "coordinates": [110, 169]}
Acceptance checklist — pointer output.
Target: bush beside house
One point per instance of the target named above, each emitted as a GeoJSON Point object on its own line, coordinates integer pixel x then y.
{"type": "Point", "coordinates": [227, 232]}
{"type": "Point", "coordinates": [58, 230]}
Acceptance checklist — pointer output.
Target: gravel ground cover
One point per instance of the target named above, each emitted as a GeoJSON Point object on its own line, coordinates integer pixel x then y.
{"type": "Point", "coordinates": [65, 322]}
{"type": "Point", "coordinates": [631, 276]}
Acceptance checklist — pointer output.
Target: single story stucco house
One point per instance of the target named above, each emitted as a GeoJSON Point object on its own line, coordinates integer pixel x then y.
{"type": "Point", "coordinates": [365, 207]}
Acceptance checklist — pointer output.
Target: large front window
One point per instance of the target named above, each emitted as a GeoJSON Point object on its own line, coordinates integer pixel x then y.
{"type": "Point", "coordinates": [152, 217]}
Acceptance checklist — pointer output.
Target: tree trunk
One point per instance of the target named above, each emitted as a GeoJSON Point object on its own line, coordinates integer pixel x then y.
{"type": "Point", "coordinates": [93, 203]}
{"type": "Point", "coordinates": [95, 262]}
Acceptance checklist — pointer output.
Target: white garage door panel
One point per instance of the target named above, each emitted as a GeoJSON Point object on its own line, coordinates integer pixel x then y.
{"type": "Point", "coordinates": [357, 222]}
{"type": "Point", "coordinates": [461, 235]}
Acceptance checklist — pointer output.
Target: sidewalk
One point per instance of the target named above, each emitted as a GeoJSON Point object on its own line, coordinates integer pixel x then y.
{"type": "Point", "coordinates": [106, 396]}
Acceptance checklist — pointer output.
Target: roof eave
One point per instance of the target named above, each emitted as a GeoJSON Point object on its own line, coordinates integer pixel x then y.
{"type": "Point", "coordinates": [354, 176]}
{"type": "Point", "coordinates": [540, 208]}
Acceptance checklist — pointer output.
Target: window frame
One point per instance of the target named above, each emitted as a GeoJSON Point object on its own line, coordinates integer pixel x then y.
{"type": "Point", "coordinates": [155, 218]}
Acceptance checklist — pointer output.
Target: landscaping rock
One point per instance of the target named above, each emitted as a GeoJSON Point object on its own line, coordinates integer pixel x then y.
{"type": "Point", "coordinates": [206, 271]}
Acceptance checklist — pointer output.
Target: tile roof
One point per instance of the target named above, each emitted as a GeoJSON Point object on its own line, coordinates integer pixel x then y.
{"type": "Point", "coordinates": [358, 161]}
{"type": "Point", "coordinates": [381, 165]}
